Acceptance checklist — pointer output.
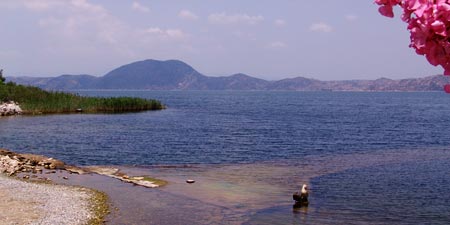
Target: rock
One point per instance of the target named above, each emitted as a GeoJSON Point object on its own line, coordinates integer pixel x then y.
{"type": "Point", "coordinates": [145, 183]}
{"type": "Point", "coordinates": [54, 163]}
{"type": "Point", "coordinates": [9, 165]}
{"type": "Point", "coordinates": [10, 109]}
{"type": "Point", "coordinates": [12, 163]}
{"type": "Point", "coordinates": [76, 170]}
{"type": "Point", "coordinates": [107, 171]}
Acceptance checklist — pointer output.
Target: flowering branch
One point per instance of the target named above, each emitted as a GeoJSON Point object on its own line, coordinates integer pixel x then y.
{"type": "Point", "coordinates": [429, 25]}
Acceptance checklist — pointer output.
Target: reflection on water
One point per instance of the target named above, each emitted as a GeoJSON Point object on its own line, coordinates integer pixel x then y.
{"type": "Point", "coordinates": [381, 187]}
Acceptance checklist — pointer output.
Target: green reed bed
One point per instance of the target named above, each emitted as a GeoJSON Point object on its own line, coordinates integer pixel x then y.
{"type": "Point", "coordinates": [34, 100]}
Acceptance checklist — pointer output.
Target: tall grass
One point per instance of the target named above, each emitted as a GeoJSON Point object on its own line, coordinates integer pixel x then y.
{"type": "Point", "coordinates": [34, 100]}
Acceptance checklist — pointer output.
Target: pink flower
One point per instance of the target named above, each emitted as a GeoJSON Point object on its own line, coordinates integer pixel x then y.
{"type": "Point", "coordinates": [417, 6]}
{"type": "Point", "coordinates": [386, 8]}
{"type": "Point", "coordinates": [429, 26]}
{"type": "Point", "coordinates": [439, 28]}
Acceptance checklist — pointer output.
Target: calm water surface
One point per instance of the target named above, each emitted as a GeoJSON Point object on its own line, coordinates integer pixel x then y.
{"type": "Point", "coordinates": [369, 157]}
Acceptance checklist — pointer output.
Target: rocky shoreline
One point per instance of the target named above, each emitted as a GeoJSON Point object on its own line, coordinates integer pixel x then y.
{"type": "Point", "coordinates": [29, 193]}
{"type": "Point", "coordinates": [12, 163]}
{"type": "Point", "coordinates": [10, 108]}
{"type": "Point", "coordinates": [35, 167]}
{"type": "Point", "coordinates": [27, 196]}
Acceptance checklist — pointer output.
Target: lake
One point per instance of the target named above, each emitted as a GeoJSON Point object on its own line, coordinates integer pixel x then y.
{"type": "Point", "coordinates": [369, 157]}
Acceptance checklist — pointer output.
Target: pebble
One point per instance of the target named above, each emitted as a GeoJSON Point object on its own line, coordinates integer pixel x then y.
{"type": "Point", "coordinates": [56, 204]}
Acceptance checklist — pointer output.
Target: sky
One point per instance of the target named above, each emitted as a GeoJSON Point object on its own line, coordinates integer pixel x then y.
{"type": "Point", "coordinates": [325, 40]}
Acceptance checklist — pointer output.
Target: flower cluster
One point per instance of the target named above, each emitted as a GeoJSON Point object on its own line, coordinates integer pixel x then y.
{"type": "Point", "coordinates": [429, 24]}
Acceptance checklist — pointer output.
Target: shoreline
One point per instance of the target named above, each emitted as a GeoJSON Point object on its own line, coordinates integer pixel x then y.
{"type": "Point", "coordinates": [226, 194]}
{"type": "Point", "coordinates": [40, 190]}
{"type": "Point", "coordinates": [23, 202]}
{"type": "Point", "coordinates": [30, 193]}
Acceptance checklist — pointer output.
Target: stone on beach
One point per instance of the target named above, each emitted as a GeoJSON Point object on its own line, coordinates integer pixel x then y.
{"type": "Point", "coordinates": [10, 109]}
{"type": "Point", "coordinates": [9, 165]}
{"type": "Point", "coordinates": [12, 163]}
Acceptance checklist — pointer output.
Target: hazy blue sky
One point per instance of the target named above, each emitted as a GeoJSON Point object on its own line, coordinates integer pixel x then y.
{"type": "Point", "coordinates": [326, 39]}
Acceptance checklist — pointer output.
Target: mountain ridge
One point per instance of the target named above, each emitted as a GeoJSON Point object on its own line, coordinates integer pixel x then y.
{"type": "Point", "coordinates": [177, 75]}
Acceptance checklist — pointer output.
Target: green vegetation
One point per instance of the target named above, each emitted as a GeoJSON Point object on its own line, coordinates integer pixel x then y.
{"type": "Point", "coordinates": [100, 208]}
{"type": "Point", "coordinates": [2, 79]}
{"type": "Point", "coordinates": [34, 100]}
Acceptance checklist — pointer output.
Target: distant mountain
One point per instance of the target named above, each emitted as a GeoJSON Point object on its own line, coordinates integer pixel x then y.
{"type": "Point", "coordinates": [297, 84]}
{"type": "Point", "coordinates": [63, 82]}
{"type": "Point", "coordinates": [235, 82]}
{"type": "Point", "coordinates": [152, 74]}
{"type": "Point", "coordinates": [430, 83]}
{"type": "Point", "coordinates": [31, 81]}
{"type": "Point", "coordinates": [177, 75]}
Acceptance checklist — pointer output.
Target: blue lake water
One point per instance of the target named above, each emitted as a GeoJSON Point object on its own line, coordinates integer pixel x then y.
{"type": "Point", "coordinates": [236, 127]}
{"type": "Point", "coordinates": [372, 157]}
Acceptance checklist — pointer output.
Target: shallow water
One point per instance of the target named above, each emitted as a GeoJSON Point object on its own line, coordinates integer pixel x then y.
{"type": "Point", "coordinates": [368, 157]}
{"type": "Point", "coordinates": [352, 189]}
{"type": "Point", "coordinates": [374, 194]}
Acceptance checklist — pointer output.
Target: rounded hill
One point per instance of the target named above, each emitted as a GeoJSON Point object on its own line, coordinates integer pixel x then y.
{"type": "Point", "coordinates": [151, 74]}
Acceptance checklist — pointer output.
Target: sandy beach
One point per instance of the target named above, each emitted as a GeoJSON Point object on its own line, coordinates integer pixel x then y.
{"type": "Point", "coordinates": [40, 203]}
